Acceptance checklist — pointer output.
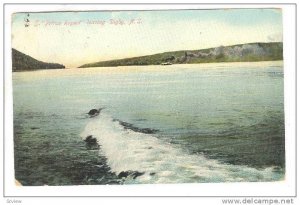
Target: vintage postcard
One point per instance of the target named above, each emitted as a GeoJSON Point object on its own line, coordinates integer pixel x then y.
{"type": "Point", "coordinates": [154, 96]}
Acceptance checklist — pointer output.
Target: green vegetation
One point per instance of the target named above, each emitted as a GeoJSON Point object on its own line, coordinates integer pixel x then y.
{"type": "Point", "coordinates": [236, 53]}
{"type": "Point", "coordinates": [22, 62]}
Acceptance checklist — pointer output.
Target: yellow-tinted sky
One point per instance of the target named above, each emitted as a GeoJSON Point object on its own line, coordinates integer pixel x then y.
{"type": "Point", "coordinates": [76, 38]}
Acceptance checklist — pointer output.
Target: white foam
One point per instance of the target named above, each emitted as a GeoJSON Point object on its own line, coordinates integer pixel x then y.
{"type": "Point", "coordinates": [127, 150]}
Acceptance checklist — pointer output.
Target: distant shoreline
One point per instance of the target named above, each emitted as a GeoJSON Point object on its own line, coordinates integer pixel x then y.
{"type": "Point", "coordinates": [206, 65]}
{"type": "Point", "coordinates": [190, 64]}
{"type": "Point", "coordinates": [30, 70]}
{"type": "Point", "coordinates": [249, 52]}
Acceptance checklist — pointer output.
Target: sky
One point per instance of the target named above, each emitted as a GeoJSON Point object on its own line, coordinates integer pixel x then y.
{"type": "Point", "coordinates": [77, 38]}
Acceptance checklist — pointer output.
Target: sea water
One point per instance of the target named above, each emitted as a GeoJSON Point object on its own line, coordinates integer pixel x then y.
{"type": "Point", "coordinates": [220, 122]}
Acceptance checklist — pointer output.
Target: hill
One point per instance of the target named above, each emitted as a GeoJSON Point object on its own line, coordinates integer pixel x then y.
{"type": "Point", "coordinates": [235, 53]}
{"type": "Point", "coordinates": [22, 62]}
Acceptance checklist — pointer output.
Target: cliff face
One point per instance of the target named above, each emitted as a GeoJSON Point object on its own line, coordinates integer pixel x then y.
{"type": "Point", "coordinates": [22, 62]}
{"type": "Point", "coordinates": [243, 52]}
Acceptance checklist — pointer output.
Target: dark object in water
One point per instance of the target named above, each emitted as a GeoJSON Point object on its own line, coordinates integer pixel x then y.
{"type": "Point", "coordinates": [133, 174]}
{"type": "Point", "coordinates": [152, 173]}
{"type": "Point", "coordinates": [34, 128]}
{"type": "Point", "coordinates": [91, 143]}
{"type": "Point", "coordinates": [130, 126]}
{"type": "Point", "coordinates": [94, 112]}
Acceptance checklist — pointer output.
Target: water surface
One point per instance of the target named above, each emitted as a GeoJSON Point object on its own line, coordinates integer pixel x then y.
{"type": "Point", "coordinates": [219, 122]}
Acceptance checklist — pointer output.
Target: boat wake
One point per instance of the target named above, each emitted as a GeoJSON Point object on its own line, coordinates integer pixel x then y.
{"type": "Point", "coordinates": [140, 157]}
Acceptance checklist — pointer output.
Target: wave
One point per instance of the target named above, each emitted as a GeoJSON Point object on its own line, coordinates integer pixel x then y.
{"type": "Point", "coordinates": [138, 157]}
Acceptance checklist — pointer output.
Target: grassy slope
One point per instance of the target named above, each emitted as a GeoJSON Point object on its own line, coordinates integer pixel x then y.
{"type": "Point", "coordinates": [273, 51]}
{"type": "Point", "coordinates": [21, 62]}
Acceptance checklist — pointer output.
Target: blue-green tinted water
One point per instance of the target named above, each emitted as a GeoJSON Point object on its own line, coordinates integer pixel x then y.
{"type": "Point", "coordinates": [214, 122]}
